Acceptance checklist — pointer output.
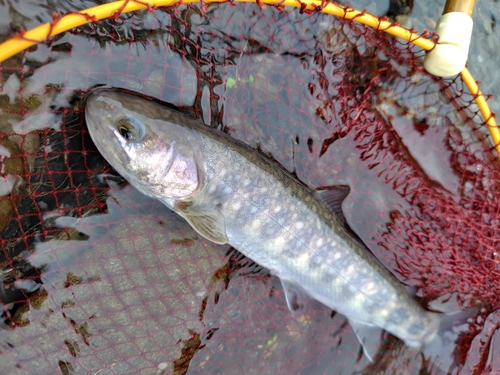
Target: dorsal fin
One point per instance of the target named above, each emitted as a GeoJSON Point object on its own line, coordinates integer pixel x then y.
{"type": "Point", "coordinates": [333, 198]}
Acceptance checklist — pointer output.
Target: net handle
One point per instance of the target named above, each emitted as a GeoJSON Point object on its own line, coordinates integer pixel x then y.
{"type": "Point", "coordinates": [42, 33]}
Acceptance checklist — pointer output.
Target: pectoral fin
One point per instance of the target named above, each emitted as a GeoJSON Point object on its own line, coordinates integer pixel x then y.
{"type": "Point", "coordinates": [296, 298]}
{"type": "Point", "coordinates": [369, 337]}
{"type": "Point", "coordinates": [207, 221]}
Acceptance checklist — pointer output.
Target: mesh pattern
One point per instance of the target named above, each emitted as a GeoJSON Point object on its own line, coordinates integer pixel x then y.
{"type": "Point", "coordinates": [95, 277]}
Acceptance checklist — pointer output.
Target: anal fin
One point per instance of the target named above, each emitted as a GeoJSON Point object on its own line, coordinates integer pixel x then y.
{"type": "Point", "coordinates": [369, 337]}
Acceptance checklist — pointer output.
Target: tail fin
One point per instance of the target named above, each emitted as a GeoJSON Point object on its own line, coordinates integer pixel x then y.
{"type": "Point", "coordinates": [441, 351]}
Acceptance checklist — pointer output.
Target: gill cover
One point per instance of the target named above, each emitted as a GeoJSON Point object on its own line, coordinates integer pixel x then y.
{"type": "Point", "coordinates": [146, 143]}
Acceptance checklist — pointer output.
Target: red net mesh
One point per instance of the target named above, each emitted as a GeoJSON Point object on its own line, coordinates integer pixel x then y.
{"type": "Point", "coordinates": [96, 278]}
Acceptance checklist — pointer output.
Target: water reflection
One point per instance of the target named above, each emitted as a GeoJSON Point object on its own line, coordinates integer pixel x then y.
{"type": "Point", "coordinates": [130, 281]}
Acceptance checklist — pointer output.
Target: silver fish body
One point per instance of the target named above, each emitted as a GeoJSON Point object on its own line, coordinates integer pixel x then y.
{"type": "Point", "coordinates": [230, 194]}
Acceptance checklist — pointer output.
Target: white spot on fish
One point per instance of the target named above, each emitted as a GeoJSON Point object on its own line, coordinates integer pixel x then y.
{"type": "Point", "coordinates": [319, 242]}
{"type": "Point", "coordinates": [337, 256]}
{"type": "Point", "coordinates": [303, 259]}
{"type": "Point", "coordinates": [236, 206]}
{"type": "Point", "coordinates": [350, 271]}
{"type": "Point", "coordinates": [279, 243]}
{"type": "Point", "coordinates": [256, 224]}
{"type": "Point", "coordinates": [333, 243]}
{"type": "Point", "coordinates": [277, 209]}
{"type": "Point", "coordinates": [358, 297]}
{"type": "Point", "coordinates": [299, 225]}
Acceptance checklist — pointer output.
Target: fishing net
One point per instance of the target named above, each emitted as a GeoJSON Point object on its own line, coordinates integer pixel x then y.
{"type": "Point", "coordinates": [95, 278]}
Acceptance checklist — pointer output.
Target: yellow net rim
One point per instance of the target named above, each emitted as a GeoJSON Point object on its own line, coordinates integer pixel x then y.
{"type": "Point", "coordinates": [41, 33]}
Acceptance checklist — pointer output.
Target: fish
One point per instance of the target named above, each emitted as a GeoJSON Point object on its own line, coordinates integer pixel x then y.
{"type": "Point", "coordinates": [232, 194]}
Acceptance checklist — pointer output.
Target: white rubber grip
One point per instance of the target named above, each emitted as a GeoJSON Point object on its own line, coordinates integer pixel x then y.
{"type": "Point", "coordinates": [450, 53]}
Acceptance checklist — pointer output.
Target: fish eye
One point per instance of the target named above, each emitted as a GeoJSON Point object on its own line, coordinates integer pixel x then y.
{"type": "Point", "coordinates": [125, 132]}
{"type": "Point", "coordinates": [130, 129]}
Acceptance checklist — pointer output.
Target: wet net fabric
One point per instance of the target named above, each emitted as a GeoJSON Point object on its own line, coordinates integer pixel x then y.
{"type": "Point", "coordinates": [95, 278]}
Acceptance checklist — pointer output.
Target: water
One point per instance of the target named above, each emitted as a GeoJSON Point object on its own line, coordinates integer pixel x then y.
{"type": "Point", "coordinates": [118, 284]}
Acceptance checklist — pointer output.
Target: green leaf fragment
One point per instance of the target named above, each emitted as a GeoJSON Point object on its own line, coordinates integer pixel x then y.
{"type": "Point", "coordinates": [272, 341]}
{"type": "Point", "coordinates": [231, 83]}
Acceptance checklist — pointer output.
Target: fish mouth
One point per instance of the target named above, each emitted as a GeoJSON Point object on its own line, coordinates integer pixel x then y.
{"type": "Point", "coordinates": [100, 109]}
{"type": "Point", "coordinates": [96, 118]}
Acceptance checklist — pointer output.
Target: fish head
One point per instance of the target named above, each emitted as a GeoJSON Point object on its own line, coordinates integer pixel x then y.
{"type": "Point", "coordinates": [145, 143]}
